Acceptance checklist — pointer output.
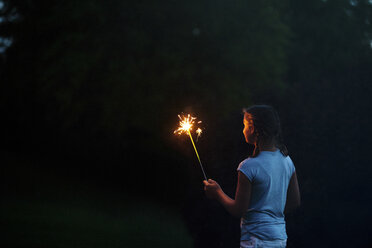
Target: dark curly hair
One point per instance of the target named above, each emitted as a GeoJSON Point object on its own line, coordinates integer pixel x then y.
{"type": "Point", "coordinates": [266, 125]}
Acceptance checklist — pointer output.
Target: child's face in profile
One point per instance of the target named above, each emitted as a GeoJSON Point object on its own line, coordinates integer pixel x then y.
{"type": "Point", "coordinates": [248, 129]}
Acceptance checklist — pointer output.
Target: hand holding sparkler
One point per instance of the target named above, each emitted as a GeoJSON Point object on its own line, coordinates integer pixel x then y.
{"type": "Point", "coordinates": [186, 124]}
{"type": "Point", "coordinates": [212, 189]}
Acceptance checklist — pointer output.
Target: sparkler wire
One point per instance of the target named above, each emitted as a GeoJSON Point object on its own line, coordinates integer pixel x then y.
{"type": "Point", "coordinates": [196, 151]}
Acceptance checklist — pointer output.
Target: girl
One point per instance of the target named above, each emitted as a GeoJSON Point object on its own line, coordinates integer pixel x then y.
{"type": "Point", "coordinates": [267, 182]}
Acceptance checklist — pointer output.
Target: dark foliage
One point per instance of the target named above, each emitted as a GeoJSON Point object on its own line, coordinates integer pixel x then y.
{"type": "Point", "coordinates": [90, 92]}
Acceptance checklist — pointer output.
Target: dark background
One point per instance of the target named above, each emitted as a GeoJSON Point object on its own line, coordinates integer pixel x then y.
{"type": "Point", "coordinates": [90, 92]}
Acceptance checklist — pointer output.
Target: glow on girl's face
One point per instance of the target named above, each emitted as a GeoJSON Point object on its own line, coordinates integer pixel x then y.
{"type": "Point", "coordinates": [248, 129]}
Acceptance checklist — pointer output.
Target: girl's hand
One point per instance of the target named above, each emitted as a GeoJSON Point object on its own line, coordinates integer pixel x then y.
{"type": "Point", "coordinates": [212, 189]}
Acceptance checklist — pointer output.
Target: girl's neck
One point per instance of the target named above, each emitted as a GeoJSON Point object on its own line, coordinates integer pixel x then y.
{"type": "Point", "coordinates": [266, 146]}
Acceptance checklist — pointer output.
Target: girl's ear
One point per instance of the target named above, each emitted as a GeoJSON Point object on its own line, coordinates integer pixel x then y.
{"type": "Point", "coordinates": [252, 130]}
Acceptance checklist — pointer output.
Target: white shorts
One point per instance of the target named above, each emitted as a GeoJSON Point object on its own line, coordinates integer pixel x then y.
{"type": "Point", "coordinates": [258, 243]}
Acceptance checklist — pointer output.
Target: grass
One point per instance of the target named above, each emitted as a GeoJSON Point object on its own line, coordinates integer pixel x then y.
{"type": "Point", "coordinates": [45, 224]}
{"type": "Point", "coordinates": [42, 208]}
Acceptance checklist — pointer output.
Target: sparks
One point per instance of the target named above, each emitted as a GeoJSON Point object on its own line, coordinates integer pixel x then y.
{"type": "Point", "coordinates": [186, 124]}
{"type": "Point", "coordinates": [198, 132]}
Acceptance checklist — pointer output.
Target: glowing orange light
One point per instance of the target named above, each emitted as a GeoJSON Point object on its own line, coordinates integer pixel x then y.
{"type": "Point", "coordinates": [198, 132]}
{"type": "Point", "coordinates": [186, 124]}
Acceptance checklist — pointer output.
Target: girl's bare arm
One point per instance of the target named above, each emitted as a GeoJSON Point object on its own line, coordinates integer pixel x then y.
{"type": "Point", "coordinates": [293, 194]}
{"type": "Point", "coordinates": [237, 206]}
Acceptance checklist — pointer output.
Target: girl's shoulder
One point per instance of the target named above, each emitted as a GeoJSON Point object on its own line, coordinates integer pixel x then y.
{"type": "Point", "coordinates": [250, 162]}
{"type": "Point", "coordinates": [250, 167]}
{"type": "Point", "coordinates": [290, 164]}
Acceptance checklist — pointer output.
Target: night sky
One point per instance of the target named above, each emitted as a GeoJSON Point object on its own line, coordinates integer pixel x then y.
{"type": "Point", "coordinates": [89, 98]}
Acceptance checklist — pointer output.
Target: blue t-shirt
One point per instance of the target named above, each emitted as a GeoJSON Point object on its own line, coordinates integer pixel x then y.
{"type": "Point", "coordinates": [269, 174]}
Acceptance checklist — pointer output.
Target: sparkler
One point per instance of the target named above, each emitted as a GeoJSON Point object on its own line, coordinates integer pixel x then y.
{"type": "Point", "coordinates": [186, 124]}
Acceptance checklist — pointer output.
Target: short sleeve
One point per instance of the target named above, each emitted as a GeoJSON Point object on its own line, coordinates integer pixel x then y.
{"type": "Point", "coordinates": [248, 169]}
{"type": "Point", "coordinates": [291, 166]}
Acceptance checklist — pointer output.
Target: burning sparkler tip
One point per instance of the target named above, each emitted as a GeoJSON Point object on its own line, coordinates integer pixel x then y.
{"type": "Point", "coordinates": [186, 124]}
